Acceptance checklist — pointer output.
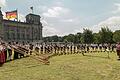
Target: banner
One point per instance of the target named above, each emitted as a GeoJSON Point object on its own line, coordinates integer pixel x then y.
{"type": "Point", "coordinates": [11, 15]}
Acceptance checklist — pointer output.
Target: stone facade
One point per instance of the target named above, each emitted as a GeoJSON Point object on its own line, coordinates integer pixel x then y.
{"type": "Point", "coordinates": [29, 31]}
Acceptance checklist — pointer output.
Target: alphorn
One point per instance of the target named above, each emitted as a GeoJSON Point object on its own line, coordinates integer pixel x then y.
{"type": "Point", "coordinates": [17, 49]}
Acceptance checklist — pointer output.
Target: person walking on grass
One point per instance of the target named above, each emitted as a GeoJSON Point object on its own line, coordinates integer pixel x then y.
{"type": "Point", "coordinates": [118, 50]}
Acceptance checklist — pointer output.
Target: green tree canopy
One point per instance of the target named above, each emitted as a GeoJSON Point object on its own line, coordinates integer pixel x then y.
{"type": "Point", "coordinates": [106, 35]}
{"type": "Point", "coordinates": [69, 38]}
{"type": "Point", "coordinates": [116, 36]}
{"type": "Point", "coordinates": [96, 37]}
{"type": "Point", "coordinates": [87, 36]}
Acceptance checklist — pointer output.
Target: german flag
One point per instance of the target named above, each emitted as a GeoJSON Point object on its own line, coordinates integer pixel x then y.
{"type": "Point", "coordinates": [11, 14]}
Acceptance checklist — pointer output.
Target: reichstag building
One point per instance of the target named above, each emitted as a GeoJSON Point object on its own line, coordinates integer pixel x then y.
{"type": "Point", "coordinates": [28, 31]}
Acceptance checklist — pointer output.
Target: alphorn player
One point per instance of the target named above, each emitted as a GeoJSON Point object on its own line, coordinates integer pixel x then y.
{"type": "Point", "coordinates": [118, 50]}
{"type": "Point", "coordinates": [31, 48]}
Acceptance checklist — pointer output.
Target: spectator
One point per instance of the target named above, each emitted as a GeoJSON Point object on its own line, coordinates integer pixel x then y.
{"type": "Point", "coordinates": [2, 55]}
{"type": "Point", "coordinates": [118, 50]}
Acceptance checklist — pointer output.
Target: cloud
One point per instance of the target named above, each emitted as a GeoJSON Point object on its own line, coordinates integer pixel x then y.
{"type": "Point", "coordinates": [44, 22]}
{"type": "Point", "coordinates": [55, 11]}
{"type": "Point", "coordinates": [59, 20]}
{"type": "Point", "coordinates": [21, 17]}
{"type": "Point", "coordinates": [42, 8]}
{"type": "Point", "coordinates": [115, 20]}
{"type": "Point", "coordinates": [112, 23]}
{"type": "Point", "coordinates": [68, 20]}
{"type": "Point", "coordinates": [71, 20]}
{"type": "Point", "coordinates": [118, 8]}
{"type": "Point", "coordinates": [58, 3]}
{"type": "Point", "coordinates": [48, 30]}
{"type": "Point", "coordinates": [2, 3]}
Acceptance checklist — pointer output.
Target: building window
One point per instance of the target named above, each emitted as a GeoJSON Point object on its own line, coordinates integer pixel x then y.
{"type": "Point", "coordinates": [13, 36]}
{"type": "Point", "coordinates": [18, 36]}
{"type": "Point", "coordinates": [28, 36]}
{"type": "Point", "coordinates": [7, 35]}
{"type": "Point", "coordinates": [23, 36]}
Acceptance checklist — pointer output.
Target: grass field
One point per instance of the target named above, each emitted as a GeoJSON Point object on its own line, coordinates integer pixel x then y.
{"type": "Point", "coordinates": [93, 66]}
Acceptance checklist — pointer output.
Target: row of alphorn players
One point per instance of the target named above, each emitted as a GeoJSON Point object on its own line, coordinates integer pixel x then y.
{"type": "Point", "coordinates": [57, 49]}
{"type": "Point", "coordinates": [16, 51]}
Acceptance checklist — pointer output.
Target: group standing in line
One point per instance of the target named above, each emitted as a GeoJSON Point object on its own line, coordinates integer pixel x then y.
{"type": "Point", "coordinates": [11, 51]}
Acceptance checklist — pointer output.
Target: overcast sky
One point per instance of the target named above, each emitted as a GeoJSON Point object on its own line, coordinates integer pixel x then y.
{"type": "Point", "coordinates": [61, 17]}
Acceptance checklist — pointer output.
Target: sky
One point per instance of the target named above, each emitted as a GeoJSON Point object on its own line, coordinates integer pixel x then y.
{"type": "Point", "coordinates": [63, 17]}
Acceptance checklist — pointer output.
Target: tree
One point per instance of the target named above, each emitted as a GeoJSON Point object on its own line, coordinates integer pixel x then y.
{"type": "Point", "coordinates": [87, 36]}
{"type": "Point", "coordinates": [77, 38]}
{"type": "Point", "coordinates": [106, 35]}
{"type": "Point", "coordinates": [116, 36]}
{"type": "Point", "coordinates": [60, 39]}
{"type": "Point", "coordinates": [47, 39]}
{"type": "Point", "coordinates": [55, 38]}
{"type": "Point", "coordinates": [81, 39]}
{"type": "Point", "coordinates": [69, 38]}
{"type": "Point", "coordinates": [96, 37]}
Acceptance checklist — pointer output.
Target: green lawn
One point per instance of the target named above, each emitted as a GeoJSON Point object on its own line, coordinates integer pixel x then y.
{"type": "Point", "coordinates": [93, 66]}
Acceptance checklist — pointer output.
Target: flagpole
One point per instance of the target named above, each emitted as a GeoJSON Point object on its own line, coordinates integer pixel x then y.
{"type": "Point", "coordinates": [32, 9]}
{"type": "Point", "coordinates": [17, 25]}
{"type": "Point", "coordinates": [17, 15]}
{"type": "Point", "coordinates": [32, 23]}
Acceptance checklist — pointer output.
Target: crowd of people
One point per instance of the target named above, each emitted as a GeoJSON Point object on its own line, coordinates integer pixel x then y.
{"type": "Point", "coordinates": [11, 51]}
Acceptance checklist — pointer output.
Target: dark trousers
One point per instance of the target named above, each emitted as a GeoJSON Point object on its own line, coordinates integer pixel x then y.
{"type": "Point", "coordinates": [118, 53]}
